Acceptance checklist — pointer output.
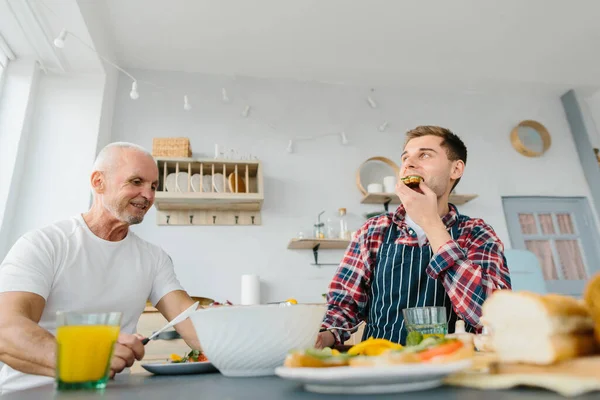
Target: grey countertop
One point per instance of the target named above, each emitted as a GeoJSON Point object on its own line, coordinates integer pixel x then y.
{"type": "Point", "coordinates": [217, 386]}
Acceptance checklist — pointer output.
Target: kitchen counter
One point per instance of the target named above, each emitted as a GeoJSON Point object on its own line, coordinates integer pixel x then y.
{"type": "Point", "coordinates": [217, 386]}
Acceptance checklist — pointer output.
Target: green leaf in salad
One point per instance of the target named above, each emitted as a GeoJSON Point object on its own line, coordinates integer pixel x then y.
{"type": "Point", "coordinates": [414, 338]}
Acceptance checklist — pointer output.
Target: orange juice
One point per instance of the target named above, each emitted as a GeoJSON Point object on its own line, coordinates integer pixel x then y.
{"type": "Point", "coordinates": [84, 353]}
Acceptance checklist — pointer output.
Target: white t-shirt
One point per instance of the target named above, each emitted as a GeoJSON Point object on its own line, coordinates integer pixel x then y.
{"type": "Point", "coordinates": [75, 270]}
{"type": "Point", "coordinates": [421, 237]}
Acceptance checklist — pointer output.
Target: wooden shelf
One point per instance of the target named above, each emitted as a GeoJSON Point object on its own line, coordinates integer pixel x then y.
{"type": "Point", "coordinates": [324, 244]}
{"type": "Point", "coordinates": [392, 198]}
{"type": "Point", "coordinates": [208, 201]}
{"type": "Point", "coordinates": [207, 206]}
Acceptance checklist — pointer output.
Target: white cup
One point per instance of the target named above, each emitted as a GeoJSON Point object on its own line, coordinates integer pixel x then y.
{"type": "Point", "coordinates": [389, 184]}
{"type": "Point", "coordinates": [375, 188]}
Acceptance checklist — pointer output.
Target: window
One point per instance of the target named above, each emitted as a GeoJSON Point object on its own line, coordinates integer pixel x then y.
{"type": "Point", "coordinates": [562, 233]}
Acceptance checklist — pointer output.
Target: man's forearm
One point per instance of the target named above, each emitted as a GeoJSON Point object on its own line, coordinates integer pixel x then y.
{"type": "Point", "coordinates": [188, 333]}
{"type": "Point", "coordinates": [27, 347]}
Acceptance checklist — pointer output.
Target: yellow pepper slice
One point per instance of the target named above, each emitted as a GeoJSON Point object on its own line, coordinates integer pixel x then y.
{"type": "Point", "coordinates": [373, 347]}
{"type": "Point", "coordinates": [175, 357]}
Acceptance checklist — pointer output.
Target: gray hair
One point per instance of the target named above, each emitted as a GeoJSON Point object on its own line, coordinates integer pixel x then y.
{"type": "Point", "coordinates": [105, 158]}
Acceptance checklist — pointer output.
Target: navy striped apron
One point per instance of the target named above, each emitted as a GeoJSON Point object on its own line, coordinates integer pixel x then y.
{"type": "Point", "coordinates": [400, 281]}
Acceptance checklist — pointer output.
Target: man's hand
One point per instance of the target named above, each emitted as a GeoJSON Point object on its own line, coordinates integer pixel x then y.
{"type": "Point", "coordinates": [325, 339]}
{"type": "Point", "coordinates": [127, 349]}
{"type": "Point", "coordinates": [422, 208]}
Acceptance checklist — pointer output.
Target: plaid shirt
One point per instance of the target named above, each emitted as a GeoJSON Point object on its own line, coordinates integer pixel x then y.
{"type": "Point", "coordinates": [470, 268]}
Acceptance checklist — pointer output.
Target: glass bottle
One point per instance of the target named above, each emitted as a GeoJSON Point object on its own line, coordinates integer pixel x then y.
{"type": "Point", "coordinates": [319, 228]}
{"type": "Point", "coordinates": [344, 232]}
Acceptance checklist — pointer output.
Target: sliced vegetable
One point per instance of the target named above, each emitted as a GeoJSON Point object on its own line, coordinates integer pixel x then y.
{"type": "Point", "coordinates": [192, 356]}
{"type": "Point", "coordinates": [373, 347]}
{"type": "Point", "coordinates": [414, 338]}
{"type": "Point", "coordinates": [440, 350]}
{"type": "Point", "coordinates": [324, 353]}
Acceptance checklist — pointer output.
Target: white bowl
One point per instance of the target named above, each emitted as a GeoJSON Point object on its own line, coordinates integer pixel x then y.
{"type": "Point", "coordinates": [254, 340]}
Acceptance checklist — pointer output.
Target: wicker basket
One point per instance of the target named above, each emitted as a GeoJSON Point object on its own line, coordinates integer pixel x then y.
{"type": "Point", "coordinates": [171, 147]}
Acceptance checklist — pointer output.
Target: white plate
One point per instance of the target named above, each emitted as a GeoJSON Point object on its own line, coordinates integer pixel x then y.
{"type": "Point", "coordinates": [179, 368]}
{"type": "Point", "coordinates": [171, 182]}
{"type": "Point", "coordinates": [182, 182]}
{"type": "Point", "coordinates": [195, 182]}
{"type": "Point", "coordinates": [372, 380]}
{"type": "Point", "coordinates": [207, 183]}
{"type": "Point", "coordinates": [219, 183]}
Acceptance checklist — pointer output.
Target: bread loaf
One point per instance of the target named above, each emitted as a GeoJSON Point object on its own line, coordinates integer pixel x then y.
{"type": "Point", "coordinates": [592, 300]}
{"type": "Point", "coordinates": [538, 329]}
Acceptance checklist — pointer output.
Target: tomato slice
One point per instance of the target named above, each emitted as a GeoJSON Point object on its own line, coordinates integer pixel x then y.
{"type": "Point", "coordinates": [443, 349]}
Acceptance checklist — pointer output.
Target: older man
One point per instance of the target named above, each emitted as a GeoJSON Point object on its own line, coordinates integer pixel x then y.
{"type": "Point", "coordinates": [91, 262]}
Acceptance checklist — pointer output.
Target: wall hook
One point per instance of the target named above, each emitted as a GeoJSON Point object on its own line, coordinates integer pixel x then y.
{"type": "Point", "coordinates": [168, 218]}
{"type": "Point", "coordinates": [214, 219]}
{"type": "Point", "coordinates": [191, 219]}
{"type": "Point", "coordinates": [236, 219]}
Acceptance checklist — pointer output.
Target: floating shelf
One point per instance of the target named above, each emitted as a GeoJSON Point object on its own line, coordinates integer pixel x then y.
{"type": "Point", "coordinates": [200, 203]}
{"type": "Point", "coordinates": [392, 198]}
{"type": "Point", "coordinates": [316, 244]}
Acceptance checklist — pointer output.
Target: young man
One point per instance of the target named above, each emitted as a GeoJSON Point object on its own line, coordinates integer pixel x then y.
{"type": "Point", "coordinates": [91, 262]}
{"type": "Point", "coordinates": [424, 254]}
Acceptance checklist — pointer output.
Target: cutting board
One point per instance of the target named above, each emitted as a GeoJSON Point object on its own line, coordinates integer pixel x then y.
{"type": "Point", "coordinates": [568, 378]}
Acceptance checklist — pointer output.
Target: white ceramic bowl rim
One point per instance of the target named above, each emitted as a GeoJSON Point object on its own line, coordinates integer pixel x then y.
{"type": "Point", "coordinates": [257, 306]}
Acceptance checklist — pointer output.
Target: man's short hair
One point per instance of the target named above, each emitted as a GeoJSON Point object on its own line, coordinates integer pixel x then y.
{"type": "Point", "coordinates": [455, 148]}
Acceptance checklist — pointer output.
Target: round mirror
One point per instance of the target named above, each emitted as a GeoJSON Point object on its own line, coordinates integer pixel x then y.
{"type": "Point", "coordinates": [530, 138]}
{"type": "Point", "coordinates": [374, 170]}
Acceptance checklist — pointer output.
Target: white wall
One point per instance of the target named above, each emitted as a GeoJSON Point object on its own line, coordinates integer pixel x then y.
{"type": "Point", "coordinates": [321, 174]}
{"type": "Point", "coordinates": [62, 146]}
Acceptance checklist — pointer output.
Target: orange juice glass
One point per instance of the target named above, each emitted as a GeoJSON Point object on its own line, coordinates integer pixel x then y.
{"type": "Point", "coordinates": [85, 343]}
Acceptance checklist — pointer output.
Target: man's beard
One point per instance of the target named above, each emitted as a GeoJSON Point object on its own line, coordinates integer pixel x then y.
{"type": "Point", "coordinates": [122, 216]}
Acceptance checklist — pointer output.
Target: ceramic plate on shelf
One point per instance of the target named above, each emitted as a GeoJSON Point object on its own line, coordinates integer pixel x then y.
{"type": "Point", "coordinates": [207, 183]}
{"type": "Point", "coordinates": [219, 183]}
{"type": "Point", "coordinates": [372, 380]}
{"type": "Point", "coordinates": [182, 182]}
{"type": "Point", "coordinates": [167, 368]}
{"type": "Point", "coordinates": [241, 184]}
{"type": "Point", "coordinates": [195, 182]}
{"type": "Point", "coordinates": [171, 182]}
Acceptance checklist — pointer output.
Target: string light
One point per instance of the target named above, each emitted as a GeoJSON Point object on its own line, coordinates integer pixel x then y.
{"type": "Point", "coordinates": [344, 138]}
{"type": "Point", "coordinates": [371, 102]}
{"type": "Point", "coordinates": [134, 91]}
{"type": "Point", "coordinates": [59, 42]}
{"type": "Point", "coordinates": [246, 111]}
{"type": "Point", "coordinates": [224, 95]}
{"type": "Point", "coordinates": [60, 39]}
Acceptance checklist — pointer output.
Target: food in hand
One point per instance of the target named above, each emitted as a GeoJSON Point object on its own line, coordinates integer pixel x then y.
{"type": "Point", "coordinates": [314, 358]}
{"type": "Point", "coordinates": [192, 356]}
{"type": "Point", "coordinates": [538, 329]}
{"type": "Point", "coordinates": [412, 181]}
